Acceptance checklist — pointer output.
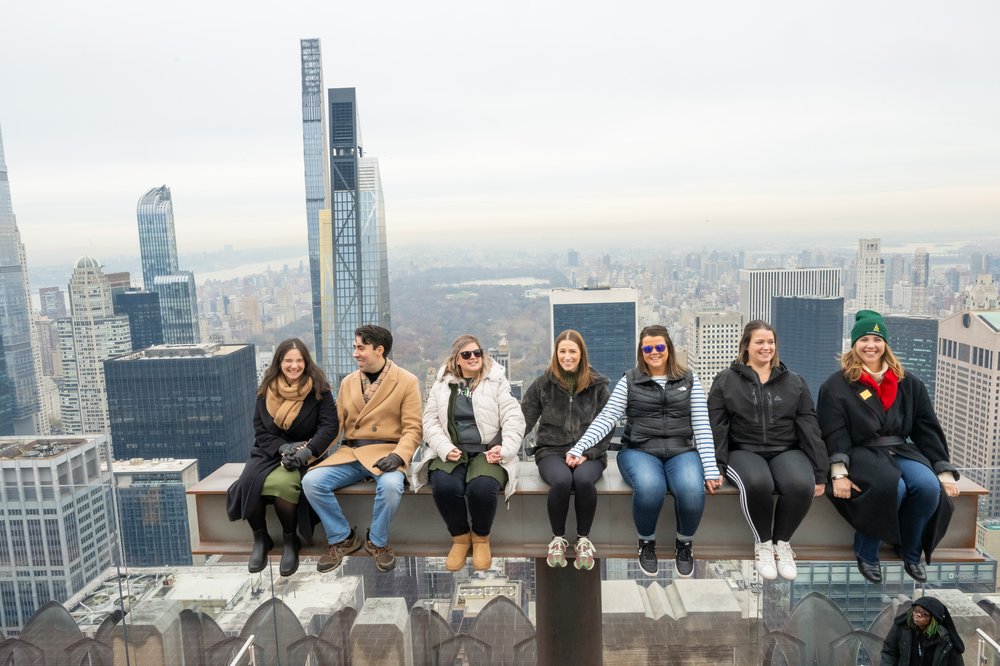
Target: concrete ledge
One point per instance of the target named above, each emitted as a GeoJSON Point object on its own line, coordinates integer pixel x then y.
{"type": "Point", "coordinates": [522, 529]}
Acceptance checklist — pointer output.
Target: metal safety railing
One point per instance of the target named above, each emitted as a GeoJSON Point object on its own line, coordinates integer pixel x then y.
{"type": "Point", "coordinates": [245, 657]}
{"type": "Point", "coordinates": [988, 649]}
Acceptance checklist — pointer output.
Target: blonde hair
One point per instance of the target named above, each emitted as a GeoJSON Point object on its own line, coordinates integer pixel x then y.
{"type": "Point", "coordinates": [452, 368]}
{"type": "Point", "coordinates": [853, 366]}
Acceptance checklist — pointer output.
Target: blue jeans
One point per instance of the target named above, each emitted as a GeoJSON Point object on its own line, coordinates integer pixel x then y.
{"type": "Point", "coordinates": [651, 478]}
{"type": "Point", "coordinates": [319, 484]}
{"type": "Point", "coordinates": [917, 498]}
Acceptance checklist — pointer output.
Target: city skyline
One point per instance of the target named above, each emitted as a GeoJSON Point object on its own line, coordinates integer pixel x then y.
{"type": "Point", "coordinates": [781, 121]}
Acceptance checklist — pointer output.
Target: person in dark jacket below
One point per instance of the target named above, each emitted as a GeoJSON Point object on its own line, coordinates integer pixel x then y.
{"type": "Point", "coordinates": [295, 420]}
{"type": "Point", "coordinates": [563, 402]}
{"type": "Point", "coordinates": [767, 440]}
{"type": "Point", "coordinates": [667, 446]}
{"type": "Point", "coordinates": [885, 446]}
{"type": "Point", "coordinates": [924, 635]}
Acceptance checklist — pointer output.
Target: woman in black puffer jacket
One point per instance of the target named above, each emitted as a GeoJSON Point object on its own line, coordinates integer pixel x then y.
{"type": "Point", "coordinates": [924, 635]}
{"type": "Point", "coordinates": [563, 402]}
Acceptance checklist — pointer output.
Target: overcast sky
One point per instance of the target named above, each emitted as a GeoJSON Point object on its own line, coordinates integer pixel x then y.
{"type": "Point", "coordinates": [567, 124]}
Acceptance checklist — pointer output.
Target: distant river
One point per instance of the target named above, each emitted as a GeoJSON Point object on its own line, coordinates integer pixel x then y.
{"type": "Point", "coordinates": [503, 282]}
{"type": "Point", "coordinates": [250, 269]}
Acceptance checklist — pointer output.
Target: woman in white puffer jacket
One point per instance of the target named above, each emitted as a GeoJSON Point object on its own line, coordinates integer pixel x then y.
{"type": "Point", "coordinates": [473, 426]}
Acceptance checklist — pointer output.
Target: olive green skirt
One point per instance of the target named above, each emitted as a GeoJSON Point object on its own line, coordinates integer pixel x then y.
{"type": "Point", "coordinates": [477, 466]}
{"type": "Point", "coordinates": [284, 484]}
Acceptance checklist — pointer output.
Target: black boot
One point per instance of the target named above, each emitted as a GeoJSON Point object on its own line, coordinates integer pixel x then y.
{"type": "Point", "coordinates": [289, 554]}
{"type": "Point", "coordinates": [262, 544]}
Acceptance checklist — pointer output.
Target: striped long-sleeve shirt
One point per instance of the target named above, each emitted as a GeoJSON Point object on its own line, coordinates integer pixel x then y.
{"type": "Point", "coordinates": [614, 410]}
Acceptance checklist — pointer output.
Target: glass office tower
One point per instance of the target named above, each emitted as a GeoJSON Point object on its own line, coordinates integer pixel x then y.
{"type": "Point", "coordinates": [143, 311]}
{"type": "Point", "coordinates": [809, 336]}
{"type": "Point", "coordinates": [608, 321]}
{"type": "Point", "coordinates": [15, 317]}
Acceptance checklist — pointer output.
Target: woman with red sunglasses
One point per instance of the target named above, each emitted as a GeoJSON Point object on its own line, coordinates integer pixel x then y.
{"type": "Point", "coordinates": [473, 426]}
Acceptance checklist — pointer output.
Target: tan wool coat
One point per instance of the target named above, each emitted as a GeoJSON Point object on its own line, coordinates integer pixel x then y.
{"type": "Point", "coordinates": [392, 414]}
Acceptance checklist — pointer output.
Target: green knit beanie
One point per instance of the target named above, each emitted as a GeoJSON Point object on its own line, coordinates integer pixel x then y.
{"type": "Point", "coordinates": [868, 322]}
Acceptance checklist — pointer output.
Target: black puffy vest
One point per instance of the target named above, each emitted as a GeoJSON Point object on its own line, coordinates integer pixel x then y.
{"type": "Point", "coordinates": [659, 419]}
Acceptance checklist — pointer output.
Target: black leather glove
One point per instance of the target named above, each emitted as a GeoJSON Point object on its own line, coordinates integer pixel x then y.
{"type": "Point", "coordinates": [298, 455]}
{"type": "Point", "coordinates": [390, 463]}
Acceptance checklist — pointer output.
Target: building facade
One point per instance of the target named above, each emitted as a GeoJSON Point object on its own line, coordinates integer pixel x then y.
{"type": "Point", "coordinates": [160, 270]}
{"type": "Point", "coordinates": [52, 301]}
{"type": "Point", "coordinates": [608, 321]}
{"type": "Point", "coordinates": [914, 341]}
{"type": "Point", "coordinates": [183, 401]}
{"type": "Point", "coordinates": [15, 312]}
{"type": "Point", "coordinates": [8, 397]}
{"type": "Point", "coordinates": [144, 318]}
{"type": "Point", "coordinates": [154, 510]}
{"type": "Point", "coordinates": [91, 334]}
{"type": "Point", "coordinates": [758, 286]}
{"type": "Point", "coordinates": [712, 344]}
{"type": "Point", "coordinates": [57, 529]}
{"type": "Point", "coordinates": [870, 281]}
{"type": "Point", "coordinates": [968, 397]}
{"type": "Point", "coordinates": [809, 336]}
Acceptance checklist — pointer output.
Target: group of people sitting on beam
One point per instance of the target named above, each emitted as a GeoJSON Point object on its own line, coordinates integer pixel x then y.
{"type": "Point", "coordinates": [872, 444]}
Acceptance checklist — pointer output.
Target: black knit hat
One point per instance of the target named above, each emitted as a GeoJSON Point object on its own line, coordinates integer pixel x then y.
{"type": "Point", "coordinates": [868, 322]}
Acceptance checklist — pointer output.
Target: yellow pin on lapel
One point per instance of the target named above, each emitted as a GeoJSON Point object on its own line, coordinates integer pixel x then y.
{"type": "Point", "coordinates": [865, 394]}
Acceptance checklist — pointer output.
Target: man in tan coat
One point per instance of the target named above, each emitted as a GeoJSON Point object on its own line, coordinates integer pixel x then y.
{"type": "Point", "coordinates": [380, 429]}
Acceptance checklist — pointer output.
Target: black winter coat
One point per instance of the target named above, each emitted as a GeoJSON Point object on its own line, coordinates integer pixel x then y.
{"type": "Point", "coordinates": [563, 418]}
{"type": "Point", "coordinates": [850, 415]}
{"type": "Point", "coordinates": [315, 424]}
{"type": "Point", "coordinates": [775, 416]}
{"type": "Point", "coordinates": [899, 643]}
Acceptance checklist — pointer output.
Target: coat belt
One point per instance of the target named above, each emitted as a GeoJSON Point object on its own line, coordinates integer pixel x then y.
{"type": "Point", "coordinates": [356, 443]}
{"type": "Point", "coordinates": [886, 440]}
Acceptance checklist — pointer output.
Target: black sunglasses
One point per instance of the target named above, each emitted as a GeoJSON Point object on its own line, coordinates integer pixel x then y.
{"type": "Point", "coordinates": [466, 355]}
{"type": "Point", "coordinates": [648, 349]}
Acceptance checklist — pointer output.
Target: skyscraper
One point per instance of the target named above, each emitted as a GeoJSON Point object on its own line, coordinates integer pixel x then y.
{"type": "Point", "coordinates": [914, 341]}
{"type": "Point", "coordinates": [155, 511]}
{"type": "Point", "coordinates": [758, 286]}
{"type": "Point", "coordinates": [809, 336]}
{"type": "Point", "coordinates": [144, 319]}
{"type": "Point", "coordinates": [316, 165]}
{"type": "Point", "coordinates": [183, 401]}
{"type": "Point", "coordinates": [53, 302]}
{"type": "Point", "coordinates": [354, 272]}
{"type": "Point", "coordinates": [160, 271]}
{"type": "Point", "coordinates": [91, 334]}
{"type": "Point", "coordinates": [712, 343]}
{"type": "Point", "coordinates": [608, 321]}
{"type": "Point", "coordinates": [870, 282]}
{"type": "Point", "coordinates": [921, 280]}
{"type": "Point", "coordinates": [968, 396]}
{"type": "Point", "coordinates": [15, 312]}
{"type": "Point", "coordinates": [7, 397]}
{"type": "Point", "coordinates": [57, 533]}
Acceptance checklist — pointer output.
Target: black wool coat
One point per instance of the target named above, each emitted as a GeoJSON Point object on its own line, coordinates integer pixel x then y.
{"type": "Point", "coordinates": [563, 418]}
{"type": "Point", "coordinates": [851, 415]}
{"type": "Point", "coordinates": [942, 649]}
{"type": "Point", "coordinates": [315, 424]}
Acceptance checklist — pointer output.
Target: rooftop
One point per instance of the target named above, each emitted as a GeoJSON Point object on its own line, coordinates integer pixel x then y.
{"type": "Point", "coordinates": [26, 448]}
{"type": "Point", "coordinates": [160, 352]}
{"type": "Point", "coordinates": [135, 465]}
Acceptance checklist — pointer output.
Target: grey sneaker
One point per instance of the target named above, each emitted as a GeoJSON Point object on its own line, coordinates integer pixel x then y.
{"type": "Point", "coordinates": [336, 552]}
{"type": "Point", "coordinates": [385, 559]}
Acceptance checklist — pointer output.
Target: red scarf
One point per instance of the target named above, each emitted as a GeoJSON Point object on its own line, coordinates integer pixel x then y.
{"type": "Point", "coordinates": [886, 391]}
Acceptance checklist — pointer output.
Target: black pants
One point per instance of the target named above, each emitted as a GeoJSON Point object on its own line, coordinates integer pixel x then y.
{"type": "Point", "coordinates": [562, 479]}
{"type": "Point", "coordinates": [456, 500]}
{"type": "Point", "coordinates": [758, 477]}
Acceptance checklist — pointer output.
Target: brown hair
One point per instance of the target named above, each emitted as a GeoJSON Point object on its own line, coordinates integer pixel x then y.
{"type": "Point", "coordinates": [311, 370]}
{"type": "Point", "coordinates": [675, 369]}
{"type": "Point", "coordinates": [452, 367]}
{"type": "Point", "coordinates": [754, 325]}
{"type": "Point", "coordinates": [584, 375]}
{"type": "Point", "coordinates": [854, 366]}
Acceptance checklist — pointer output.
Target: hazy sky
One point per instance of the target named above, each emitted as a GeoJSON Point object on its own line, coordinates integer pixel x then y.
{"type": "Point", "coordinates": [569, 123]}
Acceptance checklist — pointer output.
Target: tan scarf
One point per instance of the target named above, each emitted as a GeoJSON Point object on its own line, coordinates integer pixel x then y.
{"type": "Point", "coordinates": [368, 387]}
{"type": "Point", "coordinates": [284, 401]}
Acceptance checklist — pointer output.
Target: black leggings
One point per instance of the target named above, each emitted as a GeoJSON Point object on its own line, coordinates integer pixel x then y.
{"type": "Point", "coordinates": [287, 514]}
{"type": "Point", "coordinates": [456, 500]}
{"type": "Point", "coordinates": [563, 479]}
{"type": "Point", "coordinates": [758, 477]}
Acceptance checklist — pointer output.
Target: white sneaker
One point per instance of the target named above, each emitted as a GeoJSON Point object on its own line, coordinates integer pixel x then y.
{"type": "Point", "coordinates": [765, 561]}
{"type": "Point", "coordinates": [786, 560]}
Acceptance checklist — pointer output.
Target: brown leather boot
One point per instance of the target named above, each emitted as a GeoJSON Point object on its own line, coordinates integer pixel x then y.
{"type": "Point", "coordinates": [482, 558]}
{"type": "Point", "coordinates": [459, 552]}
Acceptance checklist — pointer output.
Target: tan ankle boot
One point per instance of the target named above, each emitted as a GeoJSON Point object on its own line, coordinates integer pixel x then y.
{"type": "Point", "coordinates": [481, 556]}
{"type": "Point", "coordinates": [459, 552]}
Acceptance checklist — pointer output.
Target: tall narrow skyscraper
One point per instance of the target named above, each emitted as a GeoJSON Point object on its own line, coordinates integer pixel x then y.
{"type": "Point", "coordinates": [160, 271]}
{"type": "Point", "coordinates": [7, 397]}
{"type": "Point", "coordinates": [15, 313]}
{"type": "Point", "coordinates": [314, 156]}
{"type": "Point", "coordinates": [870, 283]}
